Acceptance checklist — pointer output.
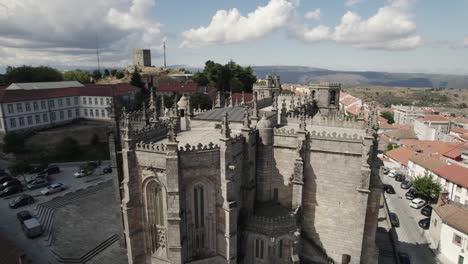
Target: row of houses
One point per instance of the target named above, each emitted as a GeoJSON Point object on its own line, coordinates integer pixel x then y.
{"type": "Point", "coordinates": [31, 106]}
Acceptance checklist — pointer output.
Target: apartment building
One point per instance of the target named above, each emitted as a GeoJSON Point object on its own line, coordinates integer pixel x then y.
{"type": "Point", "coordinates": [30, 106]}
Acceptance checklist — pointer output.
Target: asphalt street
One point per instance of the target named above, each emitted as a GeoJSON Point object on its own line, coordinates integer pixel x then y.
{"type": "Point", "coordinates": [36, 249]}
{"type": "Point", "coordinates": [412, 239]}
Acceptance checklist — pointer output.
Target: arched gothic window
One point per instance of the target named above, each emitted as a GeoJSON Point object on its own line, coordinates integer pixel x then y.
{"type": "Point", "coordinates": [199, 211]}
{"type": "Point", "coordinates": [155, 213]}
{"type": "Point", "coordinates": [332, 97]}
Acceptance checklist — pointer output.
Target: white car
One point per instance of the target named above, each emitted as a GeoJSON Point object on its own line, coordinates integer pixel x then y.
{"type": "Point", "coordinates": [391, 174]}
{"type": "Point", "coordinates": [53, 188]}
{"type": "Point", "coordinates": [417, 203]}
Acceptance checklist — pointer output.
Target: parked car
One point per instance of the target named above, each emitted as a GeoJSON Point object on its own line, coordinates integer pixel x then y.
{"type": "Point", "coordinates": [32, 227]}
{"type": "Point", "coordinates": [400, 177]}
{"type": "Point", "coordinates": [424, 223]}
{"type": "Point", "coordinates": [11, 190]}
{"type": "Point", "coordinates": [83, 173]}
{"type": "Point", "coordinates": [21, 200]}
{"type": "Point", "coordinates": [385, 170]}
{"type": "Point", "coordinates": [417, 203]}
{"type": "Point", "coordinates": [37, 183]}
{"type": "Point", "coordinates": [394, 219]}
{"type": "Point", "coordinates": [43, 174]}
{"type": "Point", "coordinates": [107, 169]}
{"type": "Point", "coordinates": [37, 169]}
{"type": "Point", "coordinates": [53, 188]}
{"type": "Point", "coordinates": [391, 174]}
{"type": "Point", "coordinates": [5, 179]}
{"type": "Point", "coordinates": [389, 189]}
{"type": "Point", "coordinates": [406, 184]}
{"type": "Point", "coordinates": [52, 169]}
{"type": "Point", "coordinates": [411, 194]}
{"type": "Point", "coordinates": [404, 258]}
{"type": "Point", "coordinates": [9, 183]}
{"type": "Point", "coordinates": [23, 216]}
{"type": "Point", "coordinates": [427, 210]}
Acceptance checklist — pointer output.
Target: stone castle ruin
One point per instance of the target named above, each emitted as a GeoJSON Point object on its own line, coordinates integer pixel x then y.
{"type": "Point", "coordinates": [142, 58]}
{"type": "Point", "coordinates": [281, 179]}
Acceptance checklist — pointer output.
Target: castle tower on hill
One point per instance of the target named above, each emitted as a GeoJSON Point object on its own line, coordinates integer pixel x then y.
{"type": "Point", "coordinates": [142, 57]}
{"type": "Point", "coordinates": [250, 184]}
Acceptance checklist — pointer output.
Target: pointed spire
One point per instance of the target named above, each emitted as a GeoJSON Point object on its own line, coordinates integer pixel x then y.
{"type": "Point", "coordinates": [303, 124]}
{"type": "Point", "coordinates": [225, 130]}
{"type": "Point", "coordinates": [218, 100]}
{"type": "Point", "coordinates": [230, 100]}
{"type": "Point", "coordinates": [291, 103]}
{"type": "Point", "coordinates": [246, 121]}
{"type": "Point", "coordinates": [237, 103]}
{"type": "Point", "coordinates": [275, 102]}
{"type": "Point", "coordinates": [243, 98]}
{"type": "Point", "coordinates": [255, 109]}
{"type": "Point", "coordinates": [163, 108]}
{"type": "Point", "coordinates": [127, 129]}
{"type": "Point", "coordinates": [152, 101]}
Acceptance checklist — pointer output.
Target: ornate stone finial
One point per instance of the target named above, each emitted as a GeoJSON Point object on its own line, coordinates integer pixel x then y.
{"type": "Point", "coordinates": [171, 134]}
{"type": "Point", "coordinates": [291, 103]}
{"type": "Point", "coordinates": [303, 124]}
{"type": "Point", "coordinates": [189, 106]}
{"type": "Point", "coordinates": [237, 102]}
{"type": "Point", "coordinates": [230, 100]}
{"type": "Point", "coordinates": [360, 116]}
{"type": "Point", "coordinates": [275, 102]}
{"type": "Point", "coordinates": [373, 122]}
{"type": "Point", "coordinates": [243, 99]}
{"type": "Point", "coordinates": [225, 130]}
{"type": "Point", "coordinates": [152, 101]}
{"type": "Point", "coordinates": [218, 100]}
{"type": "Point", "coordinates": [127, 129]}
{"type": "Point", "coordinates": [255, 109]}
{"type": "Point", "coordinates": [283, 106]}
{"type": "Point", "coordinates": [246, 121]}
{"type": "Point", "coordinates": [175, 107]}
{"type": "Point", "coordinates": [163, 108]}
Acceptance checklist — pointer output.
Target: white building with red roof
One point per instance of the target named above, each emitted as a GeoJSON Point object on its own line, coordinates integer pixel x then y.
{"type": "Point", "coordinates": [30, 106]}
{"type": "Point", "coordinates": [431, 127]}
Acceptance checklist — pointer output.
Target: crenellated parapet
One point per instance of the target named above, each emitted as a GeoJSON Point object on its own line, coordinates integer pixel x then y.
{"type": "Point", "coordinates": [284, 132]}
{"type": "Point", "coordinates": [335, 136]}
{"type": "Point", "coordinates": [151, 147]}
{"type": "Point", "coordinates": [188, 148]}
{"type": "Point", "coordinates": [151, 131]}
{"type": "Point", "coordinates": [272, 225]}
{"type": "Point", "coordinates": [327, 121]}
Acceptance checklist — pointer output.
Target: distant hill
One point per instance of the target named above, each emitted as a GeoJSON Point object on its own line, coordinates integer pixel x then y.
{"type": "Point", "coordinates": [303, 75]}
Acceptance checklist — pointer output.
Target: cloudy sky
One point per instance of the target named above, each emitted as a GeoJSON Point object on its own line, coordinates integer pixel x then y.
{"type": "Point", "coordinates": [383, 35]}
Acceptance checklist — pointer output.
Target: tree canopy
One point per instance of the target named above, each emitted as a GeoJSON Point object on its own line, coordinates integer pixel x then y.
{"type": "Point", "coordinates": [77, 75]}
{"type": "Point", "coordinates": [31, 74]}
{"type": "Point", "coordinates": [13, 143]}
{"type": "Point", "coordinates": [427, 187]}
{"type": "Point", "coordinates": [388, 115]}
{"type": "Point", "coordinates": [201, 100]}
{"type": "Point", "coordinates": [97, 75]}
{"type": "Point", "coordinates": [229, 77]}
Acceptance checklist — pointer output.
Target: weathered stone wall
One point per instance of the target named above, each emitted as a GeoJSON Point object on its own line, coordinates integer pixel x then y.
{"type": "Point", "coordinates": [334, 209]}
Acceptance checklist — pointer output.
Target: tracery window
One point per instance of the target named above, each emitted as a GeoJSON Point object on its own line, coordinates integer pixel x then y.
{"type": "Point", "coordinates": [155, 214]}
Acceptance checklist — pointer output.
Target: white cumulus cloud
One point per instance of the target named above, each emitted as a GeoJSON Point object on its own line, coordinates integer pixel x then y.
{"type": "Point", "coordinates": [349, 3]}
{"type": "Point", "coordinates": [66, 32]}
{"type": "Point", "coordinates": [391, 28]}
{"type": "Point", "coordinates": [314, 14]}
{"type": "Point", "coordinates": [230, 26]}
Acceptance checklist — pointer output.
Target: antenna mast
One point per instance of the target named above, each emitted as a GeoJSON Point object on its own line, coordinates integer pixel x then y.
{"type": "Point", "coordinates": [97, 53]}
{"type": "Point", "coordinates": [164, 46]}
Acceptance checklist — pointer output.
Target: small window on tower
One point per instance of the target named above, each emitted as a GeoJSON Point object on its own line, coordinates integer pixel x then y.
{"type": "Point", "coordinates": [332, 97]}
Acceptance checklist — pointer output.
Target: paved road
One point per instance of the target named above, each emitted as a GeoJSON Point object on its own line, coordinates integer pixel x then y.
{"type": "Point", "coordinates": [36, 249]}
{"type": "Point", "coordinates": [411, 238]}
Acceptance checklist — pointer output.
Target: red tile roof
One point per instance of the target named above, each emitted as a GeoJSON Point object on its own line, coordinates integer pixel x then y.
{"type": "Point", "coordinates": [349, 100]}
{"type": "Point", "coordinates": [7, 96]}
{"type": "Point", "coordinates": [454, 153]}
{"type": "Point", "coordinates": [401, 155]}
{"type": "Point", "coordinates": [461, 120]}
{"type": "Point", "coordinates": [343, 95]}
{"type": "Point", "coordinates": [392, 126]}
{"type": "Point", "coordinates": [458, 130]}
{"type": "Point", "coordinates": [177, 87]}
{"type": "Point", "coordinates": [237, 97]}
{"type": "Point", "coordinates": [434, 118]}
{"type": "Point", "coordinates": [454, 173]}
{"type": "Point", "coordinates": [454, 215]}
{"type": "Point", "coordinates": [427, 162]}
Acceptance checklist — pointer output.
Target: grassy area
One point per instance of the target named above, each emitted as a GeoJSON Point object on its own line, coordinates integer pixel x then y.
{"type": "Point", "coordinates": [48, 145]}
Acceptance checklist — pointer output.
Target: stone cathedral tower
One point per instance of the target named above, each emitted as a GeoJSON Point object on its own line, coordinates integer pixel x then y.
{"type": "Point", "coordinates": [250, 184]}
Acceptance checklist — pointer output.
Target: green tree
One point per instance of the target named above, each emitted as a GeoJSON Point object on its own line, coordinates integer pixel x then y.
{"type": "Point", "coordinates": [97, 75]}
{"type": "Point", "coordinates": [20, 168]}
{"type": "Point", "coordinates": [200, 99]}
{"type": "Point", "coordinates": [94, 140]}
{"type": "Point", "coordinates": [287, 92]}
{"type": "Point", "coordinates": [113, 72]}
{"type": "Point", "coordinates": [106, 73]}
{"type": "Point", "coordinates": [77, 75]}
{"type": "Point", "coordinates": [136, 80]}
{"type": "Point", "coordinates": [32, 74]}
{"type": "Point", "coordinates": [462, 105]}
{"type": "Point", "coordinates": [427, 187]}
{"type": "Point", "coordinates": [13, 143]}
{"type": "Point", "coordinates": [68, 148]}
{"type": "Point", "coordinates": [119, 75]}
{"type": "Point", "coordinates": [200, 78]}
{"type": "Point", "coordinates": [388, 115]}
